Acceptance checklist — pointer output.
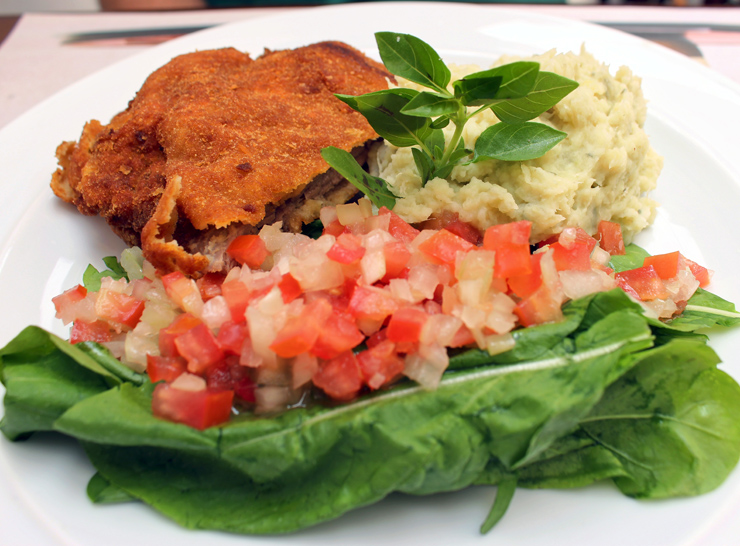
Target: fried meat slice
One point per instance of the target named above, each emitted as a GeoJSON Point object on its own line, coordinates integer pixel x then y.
{"type": "Point", "coordinates": [215, 144]}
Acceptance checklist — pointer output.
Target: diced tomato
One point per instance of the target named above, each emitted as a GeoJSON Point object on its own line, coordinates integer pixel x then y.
{"type": "Point", "coordinates": [181, 290]}
{"type": "Point", "coordinates": [525, 285]}
{"type": "Point", "coordinates": [444, 246]}
{"type": "Point", "coordinates": [451, 222]}
{"type": "Point", "coordinates": [210, 285]}
{"type": "Point", "coordinates": [198, 409]}
{"type": "Point", "coordinates": [539, 307]}
{"type": "Point", "coordinates": [119, 308]}
{"type": "Point", "coordinates": [510, 242]}
{"type": "Point", "coordinates": [397, 256]}
{"type": "Point", "coordinates": [340, 378]}
{"type": "Point", "coordinates": [165, 368]}
{"type": "Point", "coordinates": [610, 237]}
{"type": "Point", "coordinates": [573, 250]}
{"type": "Point", "coordinates": [237, 297]}
{"type": "Point", "coordinates": [380, 365]}
{"type": "Point", "coordinates": [665, 265]}
{"type": "Point", "coordinates": [369, 302]}
{"type": "Point", "coordinates": [347, 249]}
{"type": "Point", "coordinates": [400, 229]}
{"type": "Point", "coordinates": [301, 332]}
{"type": "Point", "coordinates": [644, 281]}
{"type": "Point", "coordinates": [406, 324]}
{"type": "Point", "coordinates": [289, 288]}
{"type": "Point", "coordinates": [701, 273]}
{"type": "Point", "coordinates": [68, 298]}
{"type": "Point", "coordinates": [179, 326]}
{"type": "Point", "coordinates": [98, 331]}
{"type": "Point", "coordinates": [462, 338]}
{"type": "Point", "coordinates": [249, 250]}
{"type": "Point", "coordinates": [199, 347]}
{"type": "Point", "coordinates": [334, 228]}
{"type": "Point", "coordinates": [231, 337]}
{"type": "Point", "coordinates": [339, 334]}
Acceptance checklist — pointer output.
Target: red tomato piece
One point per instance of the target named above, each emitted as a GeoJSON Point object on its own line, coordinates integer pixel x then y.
{"type": "Point", "coordinates": [165, 368]}
{"type": "Point", "coordinates": [380, 365]}
{"type": "Point", "coordinates": [98, 331]}
{"type": "Point", "coordinates": [180, 289]}
{"type": "Point", "coordinates": [369, 302]}
{"type": "Point", "coordinates": [610, 237]}
{"type": "Point", "coordinates": [231, 337]}
{"type": "Point", "coordinates": [444, 246]}
{"type": "Point", "coordinates": [199, 347]}
{"type": "Point", "coordinates": [463, 337]}
{"type": "Point", "coordinates": [406, 324]}
{"type": "Point", "coordinates": [68, 297]}
{"type": "Point", "coordinates": [644, 281]}
{"type": "Point", "coordinates": [400, 229]}
{"type": "Point", "coordinates": [198, 409]}
{"type": "Point", "coordinates": [249, 250]}
{"type": "Point", "coordinates": [301, 332]}
{"type": "Point", "coordinates": [210, 285]}
{"type": "Point", "coordinates": [701, 273]}
{"type": "Point", "coordinates": [525, 285]}
{"type": "Point", "coordinates": [510, 242]}
{"type": "Point", "coordinates": [179, 326]}
{"type": "Point", "coordinates": [665, 265]}
{"type": "Point", "coordinates": [539, 307]}
{"type": "Point", "coordinates": [119, 308]}
{"type": "Point", "coordinates": [289, 287]}
{"type": "Point", "coordinates": [397, 256]}
{"type": "Point", "coordinates": [340, 378]}
{"type": "Point", "coordinates": [339, 334]}
{"type": "Point", "coordinates": [237, 297]}
{"type": "Point", "coordinates": [347, 249]}
{"type": "Point", "coordinates": [573, 250]}
{"type": "Point", "coordinates": [334, 228]}
{"type": "Point", "coordinates": [244, 385]}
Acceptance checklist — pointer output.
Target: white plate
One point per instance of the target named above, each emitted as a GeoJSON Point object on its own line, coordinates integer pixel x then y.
{"type": "Point", "coordinates": [693, 117]}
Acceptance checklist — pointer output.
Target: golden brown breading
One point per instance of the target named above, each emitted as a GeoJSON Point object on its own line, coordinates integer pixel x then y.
{"type": "Point", "coordinates": [214, 139]}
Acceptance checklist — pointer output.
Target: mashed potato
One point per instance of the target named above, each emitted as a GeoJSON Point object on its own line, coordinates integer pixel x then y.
{"type": "Point", "coordinates": [603, 170]}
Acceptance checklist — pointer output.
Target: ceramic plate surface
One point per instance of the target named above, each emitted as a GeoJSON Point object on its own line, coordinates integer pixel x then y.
{"type": "Point", "coordinates": [45, 246]}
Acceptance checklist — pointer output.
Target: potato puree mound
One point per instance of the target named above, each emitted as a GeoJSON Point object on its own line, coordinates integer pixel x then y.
{"type": "Point", "coordinates": [603, 170]}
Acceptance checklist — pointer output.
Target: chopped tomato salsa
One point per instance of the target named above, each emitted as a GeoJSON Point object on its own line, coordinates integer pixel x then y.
{"type": "Point", "coordinates": [369, 302]}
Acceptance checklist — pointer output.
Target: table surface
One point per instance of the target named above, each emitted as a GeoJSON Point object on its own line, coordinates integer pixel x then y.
{"type": "Point", "coordinates": [43, 52]}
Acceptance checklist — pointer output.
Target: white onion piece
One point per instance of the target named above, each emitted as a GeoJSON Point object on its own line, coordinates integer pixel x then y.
{"type": "Point", "coordinates": [216, 312]}
{"type": "Point", "coordinates": [577, 284]}
{"type": "Point", "coordinates": [349, 214]}
{"type": "Point", "coordinates": [372, 265]}
{"type": "Point", "coordinates": [427, 366]}
{"type": "Point", "coordinates": [305, 366]}
{"type": "Point", "coordinates": [136, 348]}
{"type": "Point", "coordinates": [423, 280]}
{"type": "Point", "coordinates": [440, 329]}
{"type": "Point", "coordinates": [189, 382]}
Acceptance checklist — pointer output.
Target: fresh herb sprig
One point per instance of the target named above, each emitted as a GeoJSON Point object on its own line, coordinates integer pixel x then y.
{"type": "Point", "coordinates": [517, 93]}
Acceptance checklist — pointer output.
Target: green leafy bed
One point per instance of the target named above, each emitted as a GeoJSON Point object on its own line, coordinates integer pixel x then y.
{"type": "Point", "coordinates": [604, 394]}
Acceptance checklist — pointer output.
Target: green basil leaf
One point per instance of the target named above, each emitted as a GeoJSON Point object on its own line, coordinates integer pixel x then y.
{"type": "Point", "coordinates": [436, 143]}
{"type": "Point", "coordinates": [382, 109]}
{"type": "Point", "coordinates": [440, 123]}
{"type": "Point", "coordinates": [516, 142]}
{"type": "Point", "coordinates": [424, 164]}
{"type": "Point", "coordinates": [510, 81]}
{"type": "Point", "coordinates": [411, 58]}
{"type": "Point", "coordinates": [373, 187]}
{"type": "Point", "coordinates": [92, 278]}
{"type": "Point", "coordinates": [428, 104]}
{"type": "Point", "coordinates": [549, 89]}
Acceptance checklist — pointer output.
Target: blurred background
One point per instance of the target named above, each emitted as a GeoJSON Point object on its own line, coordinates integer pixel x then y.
{"type": "Point", "coordinates": [14, 7]}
